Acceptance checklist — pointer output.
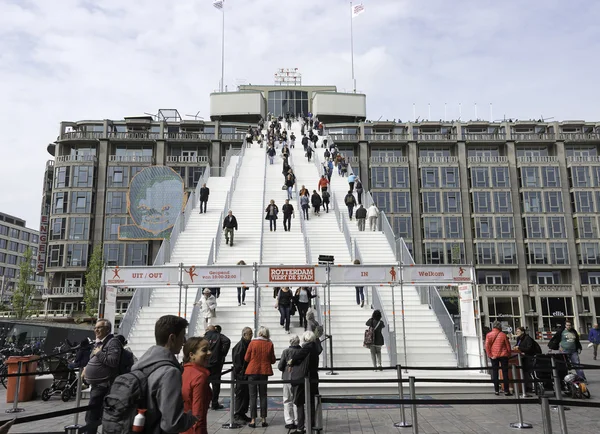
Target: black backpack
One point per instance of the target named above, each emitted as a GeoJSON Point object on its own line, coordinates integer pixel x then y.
{"type": "Point", "coordinates": [349, 200]}
{"type": "Point", "coordinates": [128, 393]}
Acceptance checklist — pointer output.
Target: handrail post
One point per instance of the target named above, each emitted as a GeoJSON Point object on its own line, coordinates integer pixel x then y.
{"type": "Point", "coordinates": [413, 396]}
{"type": "Point", "coordinates": [330, 337]}
{"type": "Point", "coordinates": [308, 406]}
{"type": "Point", "coordinates": [403, 423]}
{"type": "Point", "coordinates": [546, 416]}
{"type": "Point", "coordinates": [232, 424]}
{"type": "Point", "coordinates": [16, 408]}
{"type": "Point", "coordinates": [319, 414]}
{"type": "Point", "coordinates": [520, 424]}
{"type": "Point", "coordinates": [557, 392]}
{"type": "Point", "coordinates": [522, 372]}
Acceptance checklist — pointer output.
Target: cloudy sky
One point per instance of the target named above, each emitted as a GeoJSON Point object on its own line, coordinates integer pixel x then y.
{"type": "Point", "coordinates": [98, 59]}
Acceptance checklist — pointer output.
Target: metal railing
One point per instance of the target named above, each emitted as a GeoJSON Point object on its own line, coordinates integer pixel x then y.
{"type": "Point", "coordinates": [131, 159]}
{"type": "Point", "coordinates": [389, 338]}
{"type": "Point", "coordinates": [500, 288]}
{"type": "Point", "coordinates": [436, 137]}
{"type": "Point", "coordinates": [134, 135]}
{"type": "Point", "coordinates": [227, 159]}
{"type": "Point", "coordinates": [344, 137]}
{"type": "Point", "coordinates": [438, 160]}
{"type": "Point", "coordinates": [262, 226]}
{"type": "Point", "coordinates": [233, 136]}
{"type": "Point", "coordinates": [389, 160]}
{"type": "Point", "coordinates": [187, 159]}
{"type": "Point", "coordinates": [438, 307]}
{"type": "Point", "coordinates": [387, 230]}
{"type": "Point", "coordinates": [190, 136]}
{"type": "Point", "coordinates": [346, 232]}
{"type": "Point", "coordinates": [307, 250]}
{"type": "Point", "coordinates": [489, 159]}
{"type": "Point", "coordinates": [82, 135]}
{"type": "Point", "coordinates": [336, 210]}
{"type": "Point", "coordinates": [77, 158]}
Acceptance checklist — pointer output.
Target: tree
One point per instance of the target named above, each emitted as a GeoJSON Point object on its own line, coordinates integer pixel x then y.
{"type": "Point", "coordinates": [23, 296]}
{"type": "Point", "coordinates": [93, 282]}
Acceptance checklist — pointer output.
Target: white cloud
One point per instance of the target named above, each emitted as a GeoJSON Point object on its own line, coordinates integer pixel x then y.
{"type": "Point", "coordinates": [97, 59]}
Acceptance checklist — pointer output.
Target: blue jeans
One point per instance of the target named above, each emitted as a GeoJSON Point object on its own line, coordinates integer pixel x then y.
{"type": "Point", "coordinates": [574, 358]}
{"type": "Point", "coordinates": [284, 319]}
{"type": "Point", "coordinates": [289, 193]}
{"type": "Point", "coordinates": [360, 294]}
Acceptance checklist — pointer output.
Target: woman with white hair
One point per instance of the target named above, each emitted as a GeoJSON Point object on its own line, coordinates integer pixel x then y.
{"type": "Point", "coordinates": [260, 355]}
{"type": "Point", "coordinates": [290, 412]}
{"type": "Point", "coordinates": [208, 307]}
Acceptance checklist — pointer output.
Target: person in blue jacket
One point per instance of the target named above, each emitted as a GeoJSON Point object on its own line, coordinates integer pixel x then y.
{"type": "Point", "coordinates": [594, 338]}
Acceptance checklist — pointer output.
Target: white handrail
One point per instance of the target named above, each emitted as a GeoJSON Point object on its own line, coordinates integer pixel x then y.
{"type": "Point", "coordinates": [262, 226]}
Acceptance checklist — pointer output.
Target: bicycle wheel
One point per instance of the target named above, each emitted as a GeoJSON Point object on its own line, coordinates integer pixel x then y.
{"type": "Point", "coordinates": [3, 375]}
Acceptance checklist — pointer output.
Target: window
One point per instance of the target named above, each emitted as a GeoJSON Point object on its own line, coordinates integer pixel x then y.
{"type": "Point", "coordinates": [81, 202]}
{"type": "Point", "coordinates": [583, 201]}
{"type": "Point", "coordinates": [581, 176]}
{"type": "Point", "coordinates": [429, 177]}
{"type": "Point", "coordinates": [57, 228]}
{"type": "Point", "coordinates": [60, 203]}
{"type": "Point", "coordinates": [506, 310]}
{"type": "Point", "coordinates": [450, 177]}
{"type": "Point", "coordinates": [550, 177]}
{"type": "Point", "coordinates": [118, 176]}
{"type": "Point", "coordinates": [589, 253]}
{"type": "Point", "coordinates": [452, 201]}
{"type": "Point", "coordinates": [537, 253]}
{"type": "Point", "coordinates": [454, 227]}
{"type": "Point", "coordinates": [530, 177]}
{"type": "Point", "coordinates": [532, 201]}
{"type": "Point", "coordinates": [507, 253]}
{"type": "Point", "coordinates": [111, 228]}
{"type": "Point", "coordinates": [431, 202]}
{"type": "Point", "coordinates": [586, 227]}
{"type": "Point", "coordinates": [535, 227]}
{"type": "Point", "coordinates": [56, 255]}
{"type": "Point", "coordinates": [25, 236]}
{"type": "Point", "coordinates": [3, 230]}
{"type": "Point", "coordinates": [434, 253]}
{"type": "Point", "coordinates": [553, 201]}
{"type": "Point", "coordinates": [486, 253]}
{"type": "Point", "coordinates": [455, 253]}
{"type": "Point", "coordinates": [382, 200]}
{"type": "Point", "coordinates": [505, 227]}
{"type": "Point", "coordinates": [11, 259]}
{"type": "Point", "coordinates": [134, 170]}
{"type": "Point", "coordinates": [596, 176]}
{"type": "Point", "coordinates": [79, 228]}
{"type": "Point", "coordinates": [116, 202]}
{"type": "Point", "coordinates": [3, 243]}
{"type": "Point", "coordinates": [194, 175]}
{"type": "Point", "coordinates": [22, 248]}
{"type": "Point", "coordinates": [502, 202]}
{"type": "Point", "coordinates": [481, 202]}
{"type": "Point", "coordinates": [559, 253]}
{"type": "Point", "coordinates": [500, 177]}
{"type": "Point", "coordinates": [401, 201]}
{"type": "Point", "coordinates": [480, 177]}
{"type": "Point", "coordinates": [114, 254]}
{"type": "Point", "coordinates": [554, 311]}
{"type": "Point", "coordinates": [13, 246]}
{"type": "Point", "coordinates": [77, 255]}
{"type": "Point", "coordinates": [2, 257]}
{"type": "Point", "coordinates": [137, 254]}
{"type": "Point", "coordinates": [400, 178]}
{"type": "Point", "coordinates": [484, 227]}
{"type": "Point", "coordinates": [402, 226]}
{"type": "Point", "coordinates": [432, 227]}
{"type": "Point", "coordinates": [556, 227]}
{"type": "Point", "coordinates": [380, 177]}
{"type": "Point", "coordinates": [83, 176]}
{"type": "Point", "coordinates": [61, 177]}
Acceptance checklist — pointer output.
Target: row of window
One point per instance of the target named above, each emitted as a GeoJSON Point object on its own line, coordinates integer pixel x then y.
{"type": "Point", "coordinates": [585, 176]}
{"type": "Point", "coordinates": [78, 228]}
{"type": "Point", "coordinates": [76, 255]}
{"type": "Point", "coordinates": [80, 201]}
{"type": "Point", "coordinates": [76, 176]}
{"type": "Point", "coordinates": [126, 254]}
{"type": "Point", "coordinates": [14, 246]}
{"type": "Point", "coordinates": [9, 259]}
{"type": "Point", "coordinates": [496, 253]}
{"type": "Point", "coordinates": [437, 228]}
{"type": "Point", "coordinates": [444, 253]}
{"type": "Point", "coordinates": [18, 234]}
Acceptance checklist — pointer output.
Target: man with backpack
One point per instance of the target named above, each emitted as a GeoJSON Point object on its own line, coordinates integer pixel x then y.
{"type": "Point", "coordinates": [350, 202]}
{"type": "Point", "coordinates": [154, 384]}
{"type": "Point", "coordinates": [219, 345]}
{"type": "Point", "coordinates": [103, 367]}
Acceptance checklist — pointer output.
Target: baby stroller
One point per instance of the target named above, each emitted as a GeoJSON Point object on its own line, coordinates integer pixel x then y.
{"type": "Point", "coordinates": [65, 380]}
{"type": "Point", "coordinates": [543, 374]}
{"type": "Point", "coordinates": [577, 387]}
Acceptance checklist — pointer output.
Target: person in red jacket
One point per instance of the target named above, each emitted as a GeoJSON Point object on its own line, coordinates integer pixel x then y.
{"type": "Point", "coordinates": [497, 347]}
{"type": "Point", "coordinates": [260, 355]}
{"type": "Point", "coordinates": [196, 392]}
{"type": "Point", "coordinates": [323, 183]}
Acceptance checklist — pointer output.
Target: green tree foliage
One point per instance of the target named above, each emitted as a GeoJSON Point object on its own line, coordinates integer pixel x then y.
{"type": "Point", "coordinates": [93, 282]}
{"type": "Point", "coordinates": [23, 296]}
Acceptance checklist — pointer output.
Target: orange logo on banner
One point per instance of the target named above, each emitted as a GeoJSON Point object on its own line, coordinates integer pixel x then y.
{"type": "Point", "coordinates": [116, 271]}
{"type": "Point", "coordinates": [292, 274]}
{"type": "Point", "coordinates": [192, 272]}
{"type": "Point", "coordinates": [461, 271]}
{"type": "Point", "coordinates": [393, 273]}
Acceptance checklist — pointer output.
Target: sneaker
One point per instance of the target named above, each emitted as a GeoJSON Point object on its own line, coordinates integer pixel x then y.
{"type": "Point", "coordinates": [508, 394]}
{"type": "Point", "coordinates": [244, 303]}
{"type": "Point", "coordinates": [217, 407]}
{"type": "Point", "coordinates": [239, 304]}
{"type": "Point", "coordinates": [290, 426]}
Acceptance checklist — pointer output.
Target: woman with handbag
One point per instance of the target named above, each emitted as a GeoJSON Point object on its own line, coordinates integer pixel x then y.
{"type": "Point", "coordinates": [302, 299]}
{"type": "Point", "coordinates": [284, 304]}
{"type": "Point", "coordinates": [374, 338]}
{"type": "Point", "coordinates": [497, 347]}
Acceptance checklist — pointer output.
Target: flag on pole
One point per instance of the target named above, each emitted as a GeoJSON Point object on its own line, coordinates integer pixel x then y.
{"type": "Point", "coordinates": [218, 4]}
{"type": "Point", "coordinates": [357, 10]}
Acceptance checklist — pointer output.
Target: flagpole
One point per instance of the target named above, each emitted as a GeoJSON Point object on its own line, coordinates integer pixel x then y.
{"type": "Point", "coordinates": [223, 49]}
{"type": "Point", "coordinates": [352, 45]}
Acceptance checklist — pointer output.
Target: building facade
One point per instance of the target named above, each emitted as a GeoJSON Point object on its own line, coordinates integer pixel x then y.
{"type": "Point", "coordinates": [15, 239]}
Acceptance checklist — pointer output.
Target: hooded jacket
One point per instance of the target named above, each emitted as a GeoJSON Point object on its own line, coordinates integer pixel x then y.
{"type": "Point", "coordinates": [594, 336]}
{"type": "Point", "coordinates": [165, 400]}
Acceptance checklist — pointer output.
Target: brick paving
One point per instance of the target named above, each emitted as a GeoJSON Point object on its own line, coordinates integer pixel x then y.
{"type": "Point", "coordinates": [479, 419]}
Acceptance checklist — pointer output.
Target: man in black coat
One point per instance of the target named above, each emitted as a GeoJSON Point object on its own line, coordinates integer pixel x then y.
{"type": "Point", "coordinates": [350, 202]}
{"type": "Point", "coordinates": [242, 393]}
{"type": "Point", "coordinates": [219, 345]}
{"type": "Point", "coordinates": [229, 224]}
{"type": "Point", "coordinates": [204, 192]}
{"type": "Point", "coordinates": [361, 217]}
{"type": "Point", "coordinates": [305, 142]}
{"type": "Point", "coordinates": [288, 212]}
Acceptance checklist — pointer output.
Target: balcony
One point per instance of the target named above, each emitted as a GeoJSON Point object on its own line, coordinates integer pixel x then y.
{"type": "Point", "coordinates": [437, 137]}
{"type": "Point", "coordinates": [76, 159]}
{"type": "Point", "coordinates": [497, 159]}
{"type": "Point", "coordinates": [344, 137]}
{"type": "Point", "coordinates": [500, 288]}
{"type": "Point", "coordinates": [63, 292]}
{"type": "Point", "coordinates": [389, 137]}
{"type": "Point", "coordinates": [146, 159]}
{"type": "Point", "coordinates": [551, 288]}
{"type": "Point", "coordinates": [234, 137]}
{"type": "Point", "coordinates": [353, 161]}
{"type": "Point", "coordinates": [389, 160]}
{"type": "Point", "coordinates": [190, 137]}
{"type": "Point", "coordinates": [588, 159]}
{"type": "Point", "coordinates": [82, 135]}
{"type": "Point", "coordinates": [134, 135]}
{"type": "Point", "coordinates": [579, 137]}
{"type": "Point", "coordinates": [187, 159]}
{"type": "Point", "coordinates": [53, 314]}
{"type": "Point", "coordinates": [538, 159]}
{"type": "Point", "coordinates": [533, 137]}
{"type": "Point", "coordinates": [484, 137]}
{"type": "Point", "coordinates": [438, 160]}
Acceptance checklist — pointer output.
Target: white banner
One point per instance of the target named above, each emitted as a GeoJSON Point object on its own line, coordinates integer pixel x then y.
{"type": "Point", "coordinates": [142, 276]}
{"type": "Point", "coordinates": [434, 275]}
{"type": "Point", "coordinates": [110, 304]}
{"type": "Point", "coordinates": [215, 276]}
{"type": "Point", "coordinates": [358, 275]}
{"type": "Point", "coordinates": [467, 311]}
{"type": "Point", "coordinates": [281, 276]}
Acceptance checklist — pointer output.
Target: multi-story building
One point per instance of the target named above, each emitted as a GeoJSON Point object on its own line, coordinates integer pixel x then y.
{"type": "Point", "coordinates": [15, 239]}
{"type": "Point", "coordinates": [519, 200]}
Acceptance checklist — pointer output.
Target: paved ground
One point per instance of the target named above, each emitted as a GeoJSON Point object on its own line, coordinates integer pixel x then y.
{"type": "Point", "coordinates": [432, 420]}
